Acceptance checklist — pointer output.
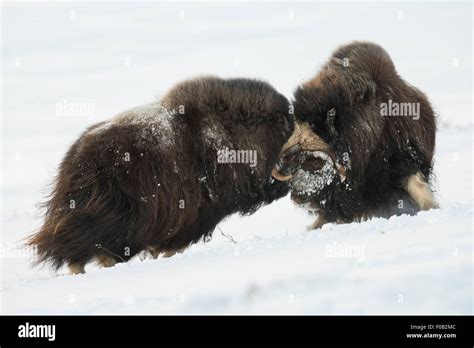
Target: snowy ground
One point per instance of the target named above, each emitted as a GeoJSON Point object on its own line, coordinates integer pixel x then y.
{"type": "Point", "coordinates": [109, 57]}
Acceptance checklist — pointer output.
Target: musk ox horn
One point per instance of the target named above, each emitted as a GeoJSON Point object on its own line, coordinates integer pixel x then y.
{"type": "Point", "coordinates": [277, 175]}
{"type": "Point", "coordinates": [288, 149]}
{"type": "Point", "coordinates": [341, 171]}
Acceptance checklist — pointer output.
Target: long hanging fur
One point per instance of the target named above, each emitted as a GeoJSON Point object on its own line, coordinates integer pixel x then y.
{"type": "Point", "coordinates": [150, 178]}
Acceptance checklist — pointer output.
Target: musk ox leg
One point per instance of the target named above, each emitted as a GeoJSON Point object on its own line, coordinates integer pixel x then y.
{"type": "Point", "coordinates": [106, 261]}
{"type": "Point", "coordinates": [153, 251]}
{"type": "Point", "coordinates": [170, 253]}
{"type": "Point", "coordinates": [76, 268]}
{"type": "Point", "coordinates": [419, 190]}
{"type": "Point", "coordinates": [320, 221]}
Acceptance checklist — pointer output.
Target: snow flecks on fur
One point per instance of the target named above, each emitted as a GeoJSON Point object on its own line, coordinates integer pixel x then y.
{"type": "Point", "coordinates": [103, 127]}
{"type": "Point", "coordinates": [214, 135]}
{"type": "Point", "coordinates": [155, 120]}
{"type": "Point", "coordinates": [156, 123]}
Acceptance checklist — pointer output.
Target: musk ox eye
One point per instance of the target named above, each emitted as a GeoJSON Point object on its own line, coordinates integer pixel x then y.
{"type": "Point", "coordinates": [290, 158]}
{"type": "Point", "coordinates": [292, 153]}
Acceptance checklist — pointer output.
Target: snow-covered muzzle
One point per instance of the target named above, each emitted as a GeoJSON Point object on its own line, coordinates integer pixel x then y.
{"type": "Point", "coordinates": [317, 171]}
{"type": "Point", "coordinates": [307, 172]}
{"type": "Point", "coordinates": [309, 165]}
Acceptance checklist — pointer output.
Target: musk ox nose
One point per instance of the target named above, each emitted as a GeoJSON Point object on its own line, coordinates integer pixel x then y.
{"type": "Point", "coordinates": [313, 164]}
{"type": "Point", "coordinates": [287, 164]}
{"type": "Point", "coordinates": [316, 160]}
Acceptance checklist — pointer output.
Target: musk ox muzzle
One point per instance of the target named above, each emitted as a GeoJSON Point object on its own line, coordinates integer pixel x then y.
{"type": "Point", "coordinates": [308, 164]}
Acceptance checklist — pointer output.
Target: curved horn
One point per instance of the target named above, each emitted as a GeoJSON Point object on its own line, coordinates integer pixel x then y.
{"type": "Point", "coordinates": [341, 171]}
{"type": "Point", "coordinates": [276, 174]}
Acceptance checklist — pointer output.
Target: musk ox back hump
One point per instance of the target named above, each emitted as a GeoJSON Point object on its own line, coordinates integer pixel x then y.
{"type": "Point", "coordinates": [366, 59]}
{"type": "Point", "coordinates": [228, 116]}
{"type": "Point", "coordinates": [249, 100]}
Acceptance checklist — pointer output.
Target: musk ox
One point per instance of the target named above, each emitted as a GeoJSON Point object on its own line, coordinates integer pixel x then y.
{"type": "Point", "coordinates": [363, 142]}
{"type": "Point", "coordinates": [161, 176]}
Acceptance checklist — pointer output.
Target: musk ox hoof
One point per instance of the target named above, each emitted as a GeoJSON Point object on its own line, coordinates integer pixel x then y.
{"type": "Point", "coordinates": [76, 268]}
{"type": "Point", "coordinates": [170, 253]}
{"type": "Point", "coordinates": [156, 252]}
{"type": "Point", "coordinates": [320, 221]}
{"type": "Point", "coordinates": [106, 261]}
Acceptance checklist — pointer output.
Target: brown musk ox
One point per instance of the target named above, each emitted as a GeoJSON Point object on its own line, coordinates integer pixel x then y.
{"type": "Point", "coordinates": [160, 177]}
{"type": "Point", "coordinates": [363, 142]}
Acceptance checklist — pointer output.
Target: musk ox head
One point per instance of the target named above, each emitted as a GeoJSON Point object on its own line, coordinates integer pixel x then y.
{"type": "Point", "coordinates": [309, 165]}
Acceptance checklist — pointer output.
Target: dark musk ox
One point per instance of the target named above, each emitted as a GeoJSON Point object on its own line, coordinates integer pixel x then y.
{"type": "Point", "coordinates": [160, 177]}
{"type": "Point", "coordinates": [363, 142]}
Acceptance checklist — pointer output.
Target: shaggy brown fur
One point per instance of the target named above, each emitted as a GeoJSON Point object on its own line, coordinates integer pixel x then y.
{"type": "Point", "coordinates": [379, 165]}
{"type": "Point", "coordinates": [150, 178]}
